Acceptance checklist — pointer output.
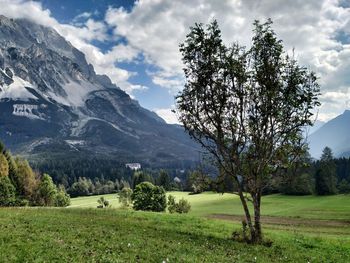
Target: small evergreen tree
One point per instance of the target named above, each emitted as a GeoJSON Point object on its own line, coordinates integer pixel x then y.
{"type": "Point", "coordinates": [325, 177]}
{"type": "Point", "coordinates": [164, 180]}
{"type": "Point", "coordinates": [140, 177]}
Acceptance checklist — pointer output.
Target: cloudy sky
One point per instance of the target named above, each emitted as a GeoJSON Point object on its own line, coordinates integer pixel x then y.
{"type": "Point", "coordinates": [136, 42]}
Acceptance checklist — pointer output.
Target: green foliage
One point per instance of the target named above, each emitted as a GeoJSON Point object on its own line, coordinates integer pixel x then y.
{"type": "Point", "coordinates": [344, 187]}
{"type": "Point", "coordinates": [62, 198]}
{"type": "Point", "coordinates": [171, 204]}
{"type": "Point", "coordinates": [7, 192]}
{"type": "Point", "coordinates": [182, 207]}
{"type": "Point", "coordinates": [247, 108]}
{"type": "Point", "coordinates": [125, 197]}
{"type": "Point", "coordinates": [85, 186]}
{"type": "Point", "coordinates": [103, 203]}
{"type": "Point", "coordinates": [149, 197]}
{"type": "Point", "coordinates": [325, 177]}
{"type": "Point", "coordinates": [20, 186]}
{"type": "Point", "coordinates": [4, 166]}
{"type": "Point", "coordinates": [82, 187]}
{"type": "Point", "coordinates": [164, 180]}
{"type": "Point", "coordinates": [301, 184]}
{"type": "Point", "coordinates": [298, 177]}
{"type": "Point", "coordinates": [199, 182]}
{"type": "Point", "coordinates": [25, 179]}
{"type": "Point", "coordinates": [47, 191]}
{"type": "Point", "coordinates": [140, 177]}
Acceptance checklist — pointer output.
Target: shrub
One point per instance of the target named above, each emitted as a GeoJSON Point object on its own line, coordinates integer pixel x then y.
{"type": "Point", "coordinates": [149, 197]}
{"type": "Point", "coordinates": [171, 204]}
{"type": "Point", "coordinates": [103, 203]}
{"type": "Point", "coordinates": [62, 198]}
{"type": "Point", "coordinates": [183, 206]}
{"type": "Point", "coordinates": [125, 197]}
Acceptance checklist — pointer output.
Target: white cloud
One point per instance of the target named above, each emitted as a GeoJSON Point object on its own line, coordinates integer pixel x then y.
{"type": "Point", "coordinates": [80, 37]}
{"type": "Point", "coordinates": [168, 115]}
{"type": "Point", "coordinates": [157, 27]}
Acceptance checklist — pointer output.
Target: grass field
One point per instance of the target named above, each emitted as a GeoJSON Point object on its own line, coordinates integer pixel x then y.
{"type": "Point", "coordinates": [112, 235]}
{"type": "Point", "coordinates": [335, 207]}
{"type": "Point", "coordinates": [316, 215]}
{"type": "Point", "coordinates": [303, 229]}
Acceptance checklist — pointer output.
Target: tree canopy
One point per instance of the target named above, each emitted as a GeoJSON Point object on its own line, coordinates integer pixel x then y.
{"type": "Point", "coordinates": [247, 107]}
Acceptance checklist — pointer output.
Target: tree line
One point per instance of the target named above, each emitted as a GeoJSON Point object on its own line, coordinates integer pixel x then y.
{"type": "Point", "coordinates": [21, 186]}
{"type": "Point", "coordinates": [304, 176]}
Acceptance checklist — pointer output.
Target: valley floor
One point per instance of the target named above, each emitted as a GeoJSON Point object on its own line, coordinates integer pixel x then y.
{"type": "Point", "coordinates": [83, 234]}
{"type": "Point", "coordinates": [313, 215]}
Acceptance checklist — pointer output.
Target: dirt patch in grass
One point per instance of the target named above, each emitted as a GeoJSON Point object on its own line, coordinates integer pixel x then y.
{"type": "Point", "coordinates": [288, 221]}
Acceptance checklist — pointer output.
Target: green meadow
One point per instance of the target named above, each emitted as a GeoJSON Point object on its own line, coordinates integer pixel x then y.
{"type": "Point", "coordinates": [336, 207]}
{"type": "Point", "coordinates": [303, 229]}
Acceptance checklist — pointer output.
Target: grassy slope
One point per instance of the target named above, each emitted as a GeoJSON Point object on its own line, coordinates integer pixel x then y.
{"type": "Point", "coordinates": [314, 207]}
{"type": "Point", "coordinates": [96, 235]}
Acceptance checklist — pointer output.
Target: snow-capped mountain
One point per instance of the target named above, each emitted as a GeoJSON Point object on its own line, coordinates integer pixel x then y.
{"type": "Point", "coordinates": [51, 99]}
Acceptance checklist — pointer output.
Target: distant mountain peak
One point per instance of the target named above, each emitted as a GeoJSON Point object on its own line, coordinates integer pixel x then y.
{"type": "Point", "coordinates": [335, 134]}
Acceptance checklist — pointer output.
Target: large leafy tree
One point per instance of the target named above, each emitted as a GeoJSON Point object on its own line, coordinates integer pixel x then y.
{"type": "Point", "coordinates": [245, 107]}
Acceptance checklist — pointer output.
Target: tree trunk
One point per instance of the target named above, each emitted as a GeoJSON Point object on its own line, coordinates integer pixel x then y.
{"type": "Point", "coordinates": [247, 213]}
{"type": "Point", "coordinates": [257, 238]}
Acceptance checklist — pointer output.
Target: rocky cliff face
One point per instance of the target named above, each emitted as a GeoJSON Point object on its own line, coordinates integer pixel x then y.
{"type": "Point", "coordinates": [52, 101]}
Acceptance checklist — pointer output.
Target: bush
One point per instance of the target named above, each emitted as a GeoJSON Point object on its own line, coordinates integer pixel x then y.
{"type": "Point", "coordinates": [7, 192]}
{"type": "Point", "coordinates": [125, 197]}
{"type": "Point", "coordinates": [183, 206]}
{"type": "Point", "coordinates": [62, 198]}
{"type": "Point", "coordinates": [103, 203]}
{"type": "Point", "coordinates": [149, 197]}
{"type": "Point", "coordinates": [171, 204]}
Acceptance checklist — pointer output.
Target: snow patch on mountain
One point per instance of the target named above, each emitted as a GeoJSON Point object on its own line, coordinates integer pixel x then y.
{"type": "Point", "coordinates": [75, 93]}
{"type": "Point", "coordinates": [16, 90]}
{"type": "Point", "coordinates": [26, 110]}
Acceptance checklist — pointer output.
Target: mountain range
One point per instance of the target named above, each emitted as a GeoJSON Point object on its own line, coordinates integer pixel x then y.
{"type": "Point", "coordinates": [53, 103]}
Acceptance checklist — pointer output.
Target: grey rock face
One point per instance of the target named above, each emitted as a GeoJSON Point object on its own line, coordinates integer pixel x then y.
{"type": "Point", "coordinates": [49, 93]}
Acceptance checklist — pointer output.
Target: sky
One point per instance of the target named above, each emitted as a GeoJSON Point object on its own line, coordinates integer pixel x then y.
{"type": "Point", "coordinates": [136, 43]}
